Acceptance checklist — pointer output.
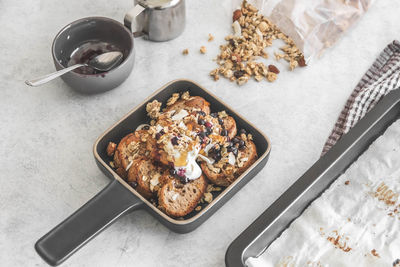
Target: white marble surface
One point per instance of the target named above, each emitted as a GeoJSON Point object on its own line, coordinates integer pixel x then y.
{"type": "Point", "coordinates": [47, 133]}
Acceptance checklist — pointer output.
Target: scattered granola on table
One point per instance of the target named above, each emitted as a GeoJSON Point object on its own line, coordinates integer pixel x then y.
{"type": "Point", "coordinates": [185, 51]}
{"type": "Point", "coordinates": [203, 49]}
{"type": "Point", "coordinates": [252, 34]}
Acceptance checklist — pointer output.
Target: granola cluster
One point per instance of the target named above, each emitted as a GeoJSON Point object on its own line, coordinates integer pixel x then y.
{"type": "Point", "coordinates": [252, 34]}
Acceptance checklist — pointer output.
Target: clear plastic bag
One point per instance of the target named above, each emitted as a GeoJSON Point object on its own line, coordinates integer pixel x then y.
{"type": "Point", "coordinates": [314, 25]}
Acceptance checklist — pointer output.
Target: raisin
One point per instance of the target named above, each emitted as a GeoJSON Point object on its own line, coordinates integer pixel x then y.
{"type": "Point", "coordinates": [133, 184]}
{"type": "Point", "coordinates": [174, 140]}
{"type": "Point", "coordinates": [238, 74]}
{"type": "Point", "coordinates": [208, 124]}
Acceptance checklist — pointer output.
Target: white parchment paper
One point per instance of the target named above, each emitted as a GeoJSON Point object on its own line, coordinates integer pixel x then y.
{"type": "Point", "coordinates": [356, 222]}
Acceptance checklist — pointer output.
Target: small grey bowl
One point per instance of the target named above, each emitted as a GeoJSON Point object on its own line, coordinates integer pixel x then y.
{"type": "Point", "coordinates": [90, 29]}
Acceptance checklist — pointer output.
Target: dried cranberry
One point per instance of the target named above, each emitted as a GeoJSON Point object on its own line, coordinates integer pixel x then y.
{"type": "Point", "coordinates": [181, 172]}
{"type": "Point", "coordinates": [146, 127]}
{"type": "Point", "coordinates": [224, 132]}
{"type": "Point", "coordinates": [208, 124]}
{"type": "Point", "coordinates": [133, 184]}
{"type": "Point", "coordinates": [238, 74]}
{"type": "Point", "coordinates": [214, 115]}
{"type": "Point", "coordinates": [174, 141]}
{"type": "Point", "coordinates": [242, 131]}
{"type": "Point", "coordinates": [171, 165]}
{"type": "Point", "coordinates": [201, 121]}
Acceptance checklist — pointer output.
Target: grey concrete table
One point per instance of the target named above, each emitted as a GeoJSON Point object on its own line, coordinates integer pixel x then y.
{"type": "Point", "coordinates": [47, 169]}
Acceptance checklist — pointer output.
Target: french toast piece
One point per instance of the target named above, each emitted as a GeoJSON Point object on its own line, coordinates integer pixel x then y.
{"type": "Point", "coordinates": [229, 124]}
{"type": "Point", "coordinates": [148, 177]}
{"type": "Point", "coordinates": [129, 148]}
{"type": "Point", "coordinates": [250, 153]}
{"type": "Point", "coordinates": [225, 174]}
{"type": "Point", "coordinates": [177, 199]}
{"type": "Point", "coordinates": [194, 102]}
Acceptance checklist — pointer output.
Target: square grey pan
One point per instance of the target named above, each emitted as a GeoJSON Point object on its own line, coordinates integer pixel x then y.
{"type": "Point", "coordinates": [118, 198]}
{"type": "Point", "coordinates": [273, 221]}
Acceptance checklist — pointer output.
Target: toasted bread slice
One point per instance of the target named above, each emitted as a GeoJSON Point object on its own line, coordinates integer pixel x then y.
{"type": "Point", "coordinates": [224, 175]}
{"type": "Point", "coordinates": [177, 199]}
{"type": "Point", "coordinates": [247, 156]}
{"type": "Point", "coordinates": [194, 102]}
{"type": "Point", "coordinates": [128, 149]}
{"type": "Point", "coordinates": [229, 124]}
{"type": "Point", "coordinates": [149, 177]}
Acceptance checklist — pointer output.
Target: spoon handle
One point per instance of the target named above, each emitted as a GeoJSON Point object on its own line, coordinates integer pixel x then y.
{"type": "Point", "coordinates": [46, 78]}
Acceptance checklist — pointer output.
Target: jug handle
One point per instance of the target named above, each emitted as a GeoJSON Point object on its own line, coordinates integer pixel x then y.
{"type": "Point", "coordinates": [130, 17]}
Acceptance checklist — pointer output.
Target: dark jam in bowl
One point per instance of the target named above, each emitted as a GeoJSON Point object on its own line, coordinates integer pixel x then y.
{"type": "Point", "coordinates": [85, 52]}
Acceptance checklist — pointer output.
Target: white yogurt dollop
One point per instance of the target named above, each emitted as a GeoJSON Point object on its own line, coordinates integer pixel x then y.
{"type": "Point", "coordinates": [192, 169]}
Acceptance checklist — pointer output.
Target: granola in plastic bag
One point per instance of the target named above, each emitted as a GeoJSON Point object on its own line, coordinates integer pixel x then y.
{"type": "Point", "coordinates": [314, 25]}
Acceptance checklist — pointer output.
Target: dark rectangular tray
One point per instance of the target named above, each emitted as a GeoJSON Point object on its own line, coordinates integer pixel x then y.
{"type": "Point", "coordinates": [273, 221]}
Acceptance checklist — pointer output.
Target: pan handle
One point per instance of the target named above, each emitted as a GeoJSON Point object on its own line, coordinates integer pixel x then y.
{"type": "Point", "coordinates": [101, 211]}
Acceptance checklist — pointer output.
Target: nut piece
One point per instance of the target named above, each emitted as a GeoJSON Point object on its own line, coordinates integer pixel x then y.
{"type": "Point", "coordinates": [301, 61]}
{"type": "Point", "coordinates": [271, 76]}
{"type": "Point", "coordinates": [203, 50]}
{"type": "Point", "coordinates": [185, 51]}
{"type": "Point", "coordinates": [111, 149]}
{"type": "Point", "coordinates": [273, 68]}
{"type": "Point", "coordinates": [236, 14]}
{"type": "Point", "coordinates": [210, 37]}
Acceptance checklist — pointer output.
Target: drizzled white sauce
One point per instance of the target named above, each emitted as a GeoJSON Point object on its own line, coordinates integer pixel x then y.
{"type": "Point", "coordinates": [192, 169]}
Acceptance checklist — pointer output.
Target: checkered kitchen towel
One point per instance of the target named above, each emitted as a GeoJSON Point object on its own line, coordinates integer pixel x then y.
{"type": "Point", "coordinates": [382, 77]}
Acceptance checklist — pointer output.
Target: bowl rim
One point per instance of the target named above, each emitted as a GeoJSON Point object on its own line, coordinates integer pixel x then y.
{"type": "Point", "coordinates": [75, 22]}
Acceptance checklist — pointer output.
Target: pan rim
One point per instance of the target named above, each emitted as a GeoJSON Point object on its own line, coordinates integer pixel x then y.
{"type": "Point", "coordinates": [215, 200]}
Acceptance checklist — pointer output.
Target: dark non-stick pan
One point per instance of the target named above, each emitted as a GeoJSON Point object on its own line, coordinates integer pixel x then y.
{"type": "Point", "coordinates": [273, 221]}
{"type": "Point", "coordinates": [118, 198]}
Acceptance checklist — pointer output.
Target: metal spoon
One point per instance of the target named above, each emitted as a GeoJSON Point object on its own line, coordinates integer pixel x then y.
{"type": "Point", "coordinates": [103, 62]}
